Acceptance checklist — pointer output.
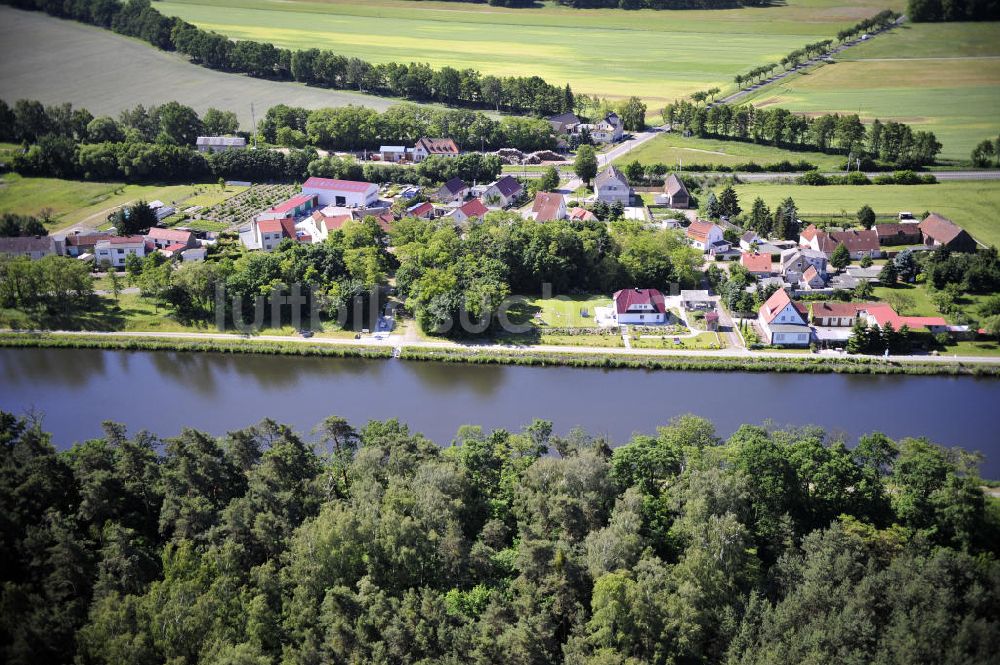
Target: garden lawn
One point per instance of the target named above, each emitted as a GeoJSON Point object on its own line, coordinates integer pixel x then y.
{"type": "Point", "coordinates": [565, 311]}
{"type": "Point", "coordinates": [656, 55]}
{"type": "Point", "coordinates": [705, 340]}
{"type": "Point", "coordinates": [971, 204]}
{"type": "Point", "coordinates": [673, 149]}
{"type": "Point", "coordinates": [941, 77]}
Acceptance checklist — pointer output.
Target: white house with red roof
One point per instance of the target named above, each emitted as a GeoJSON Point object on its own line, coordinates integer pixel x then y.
{"type": "Point", "coordinates": [423, 210]}
{"type": "Point", "coordinates": [548, 207]}
{"type": "Point", "coordinates": [464, 213]}
{"type": "Point", "coordinates": [293, 208]}
{"type": "Point", "coordinates": [703, 235]}
{"type": "Point", "coordinates": [344, 193]}
{"type": "Point", "coordinates": [426, 147]}
{"type": "Point", "coordinates": [267, 234]}
{"type": "Point", "coordinates": [758, 265]}
{"type": "Point", "coordinates": [882, 314]}
{"type": "Point", "coordinates": [116, 249]}
{"type": "Point", "coordinates": [783, 321]}
{"type": "Point", "coordinates": [163, 238]}
{"type": "Point", "coordinates": [639, 307]}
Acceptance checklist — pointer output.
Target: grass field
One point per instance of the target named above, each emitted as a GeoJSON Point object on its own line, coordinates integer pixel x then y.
{"type": "Point", "coordinates": [668, 54]}
{"type": "Point", "coordinates": [566, 311]}
{"type": "Point", "coordinates": [88, 203]}
{"type": "Point", "coordinates": [971, 204]}
{"type": "Point", "coordinates": [105, 73]}
{"type": "Point", "coordinates": [941, 77]}
{"type": "Point", "coordinates": [672, 148]}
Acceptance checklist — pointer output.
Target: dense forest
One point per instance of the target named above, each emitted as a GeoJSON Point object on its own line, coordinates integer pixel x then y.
{"type": "Point", "coordinates": [375, 545]}
{"type": "Point", "coordinates": [952, 10]}
{"type": "Point", "coordinates": [323, 68]}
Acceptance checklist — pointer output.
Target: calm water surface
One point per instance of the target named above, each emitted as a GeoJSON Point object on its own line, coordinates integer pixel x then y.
{"type": "Point", "coordinates": [163, 392]}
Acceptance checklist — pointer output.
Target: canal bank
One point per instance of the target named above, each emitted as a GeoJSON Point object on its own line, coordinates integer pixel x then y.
{"type": "Point", "coordinates": [165, 391]}
{"type": "Point", "coordinates": [538, 355]}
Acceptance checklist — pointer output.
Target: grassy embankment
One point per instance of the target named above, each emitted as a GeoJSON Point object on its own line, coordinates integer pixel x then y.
{"type": "Point", "coordinates": [942, 77]}
{"type": "Point", "coordinates": [666, 55]}
{"type": "Point", "coordinates": [77, 202]}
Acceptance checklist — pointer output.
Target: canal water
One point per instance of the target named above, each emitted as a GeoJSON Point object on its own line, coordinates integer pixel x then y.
{"type": "Point", "coordinates": [164, 391]}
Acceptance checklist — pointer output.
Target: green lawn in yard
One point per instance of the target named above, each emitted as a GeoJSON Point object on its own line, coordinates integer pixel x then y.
{"type": "Point", "coordinates": [942, 77]}
{"type": "Point", "coordinates": [603, 341]}
{"type": "Point", "coordinates": [565, 311]}
{"type": "Point", "coordinates": [704, 341]}
{"type": "Point", "coordinates": [75, 202]}
{"type": "Point", "coordinates": [672, 148]}
{"type": "Point", "coordinates": [974, 205]}
{"type": "Point", "coordinates": [668, 54]}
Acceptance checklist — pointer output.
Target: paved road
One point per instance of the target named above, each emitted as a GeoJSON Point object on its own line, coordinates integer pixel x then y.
{"type": "Point", "coordinates": [605, 158]}
{"type": "Point", "coordinates": [397, 341]}
{"type": "Point", "coordinates": [736, 96]}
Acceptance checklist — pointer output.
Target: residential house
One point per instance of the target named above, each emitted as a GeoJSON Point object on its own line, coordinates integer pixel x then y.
{"type": "Point", "coordinates": [811, 279]}
{"type": "Point", "coordinates": [79, 244]}
{"type": "Point", "coordinates": [749, 239]}
{"type": "Point", "coordinates": [220, 143]}
{"type": "Point", "coordinates": [34, 247]}
{"type": "Point", "coordinates": [503, 193]}
{"type": "Point", "coordinates": [694, 299]}
{"type": "Point", "coordinates": [940, 231]}
{"type": "Point", "coordinates": [293, 208]}
{"type": "Point", "coordinates": [423, 210]}
{"type": "Point", "coordinates": [834, 314]}
{"type": "Point", "coordinates": [344, 193]}
{"type": "Point", "coordinates": [319, 225]}
{"type": "Point", "coordinates": [548, 207]}
{"type": "Point", "coordinates": [162, 238]}
{"type": "Point", "coordinates": [430, 147]}
{"type": "Point", "coordinates": [675, 194]}
{"type": "Point", "coordinates": [116, 249]}
{"type": "Point", "coordinates": [860, 243]}
{"type": "Point", "coordinates": [564, 123]}
{"type": "Point", "coordinates": [579, 214]}
{"type": "Point", "coordinates": [194, 254]}
{"type": "Point", "coordinates": [712, 321]}
{"type": "Point", "coordinates": [161, 210]}
{"type": "Point", "coordinates": [266, 234]}
{"type": "Point", "coordinates": [882, 314]}
{"type": "Point", "coordinates": [703, 235]}
{"type": "Point", "coordinates": [453, 191]}
{"type": "Point", "coordinates": [611, 186]}
{"type": "Point", "coordinates": [464, 213]}
{"type": "Point", "coordinates": [899, 234]}
{"type": "Point", "coordinates": [783, 322]}
{"type": "Point", "coordinates": [395, 153]}
{"type": "Point", "coordinates": [758, 265]}
{"type": "Point", "coordinates": [639, 307]}
{"type": "Point", "coordinates": [794, 263]}
{"type": "Point", "coordinates": [608, 130]}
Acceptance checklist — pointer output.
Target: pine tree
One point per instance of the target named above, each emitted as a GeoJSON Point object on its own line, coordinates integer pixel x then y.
{"type": "Point", "coordinates": [712, 208]}
{"type": "Point", "coordinates": [760, 218]}
{"type": "Point", "coordinates": [729, 203]}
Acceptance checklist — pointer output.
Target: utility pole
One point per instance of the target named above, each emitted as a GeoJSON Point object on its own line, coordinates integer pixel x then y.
{"type": "Point", "coordinates": [253, 120]}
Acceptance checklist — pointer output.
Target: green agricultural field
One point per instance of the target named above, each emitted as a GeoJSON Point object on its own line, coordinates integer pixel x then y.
{"type": "Point", "coordinates": [972, 204]}
{"type": "Point", "coordinates": [672, 148]}
{"type": "Point", "coordinates": [657, 55]}
{"type": "Point", "coordinates": [941, 77]}
{"type": "Point", "coordinates": [105, 73]}
{"type": "Point", "coordinates": [88, 203]}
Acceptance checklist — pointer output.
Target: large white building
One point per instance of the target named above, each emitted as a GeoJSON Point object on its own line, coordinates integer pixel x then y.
{"type": "Point", "coordinates": [783, 322]}
{"type": "Point", "coordinates": [639, 307]}
{"type": "Point", "coordinates": [611, 186]}
{"type": "Point", "coordinates": [115, 250]}
{"type": "Point", "coordinates": [342, 193]}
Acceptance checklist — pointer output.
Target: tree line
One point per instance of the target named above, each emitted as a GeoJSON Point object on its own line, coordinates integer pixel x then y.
{"type": "Point", "coordinates": [886, 142]}
{"type": "Point", "coordinates": [376, 545]}
{"type": "Point", "coordinates": [324, 68]}
{"type": "Point", "coordinates": [443, 269]}
{"type": "Point", "coordinates": [156, 143]}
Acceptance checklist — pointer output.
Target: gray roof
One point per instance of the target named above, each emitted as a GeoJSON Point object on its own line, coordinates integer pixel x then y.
{"type": "Point", "coordinates": [508, 186]}
{"type": "Point", "coordinates": [454, 186]}
{"type": "Point", "coordinates": [695, 295]}
{"type": "Point", "coordinates": [608, 174]}
{"type": "Point", "coordinates": [674, 186]}
{"type": "Point", "coordinates": [222, 140]}
{"type": "Point", "coordinates": [27, 245]}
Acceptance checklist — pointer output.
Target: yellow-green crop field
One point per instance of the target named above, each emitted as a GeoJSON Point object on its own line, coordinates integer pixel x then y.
{"type": "Point", "coordinates": [657, 55]}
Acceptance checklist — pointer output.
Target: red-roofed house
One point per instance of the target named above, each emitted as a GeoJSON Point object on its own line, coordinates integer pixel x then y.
{"type": "Point", "coordinates": [704, 234]}
{"type": "Point", "coordinates": [579, 214]}
{"type": "Point", "coordinates": [464, 213]}
{"type": "Point", "coordinates": [548, 206]}
{"type": "Point", "coordinates": [811, 279]}
{"type": "Point", "coordinates": [342, 193]}
{"type": "Point", "coordinates": [834, 314]}
{"type": "Point", "coordinates": [859, 243]}
{"type": "Point", "coordinates": [424, 210]}
{"type": "Point", "coordinates": [162, 238]}
{"type": "Point", "coordinates": [298, 205]}
{"type": "Point", "coordinates": [783, 321]}
{"type": "Point", "coordinates": [881, 314]}
{"type": "Point", "coordinates": [430, 147]}
{"type": "Point", "coordinates": [639, 307]}
{"type": "Point", "coordinates": [758, 265]}
{"type": "Point", "coordinates": [266, 234]}
{"type": "Point", "coordinates": [940, 231]}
